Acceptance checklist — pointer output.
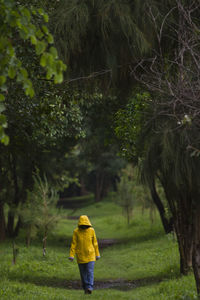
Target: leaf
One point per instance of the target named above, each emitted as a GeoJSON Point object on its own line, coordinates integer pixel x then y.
{"type": "Point", "coordinates": [50, 62]}
{"type": "Point", "coordinates": [3, 120]}
{"type": "Point", "coordinates": [12, 72]}
{"type": "Point", "coordinates": [28, 87]}
{"type": "Point", "coordinates": [26, 12]}
{"type": "Point", "coordinates": [2, 80]}
{"type": "Point", "coordinates": [33, 40]}
{"type": "Point", "coordinates": [49, 74]}
{"type": "Point", "coordinates": [2, 107]}
{"type": "Point", "coordinates": [5, 140]}
{"type": "Point", "coordinates": [54, 52]}
{"type": "Point", "coordinates": [30, 92]}
{"type": "Point", "coordinates": [33, 11]}
{"type": "Point", "coordinates": [45, 29]}
{"type": "Point", "coordinates": [39, 34]}
{"type": "Point", "coordinates": [3, 137]}
{"type": "Point", "coordinates": [50, 39]}
{"type": "Point", "coordinates": [24, 72]}
{"type": "Point", "coordinates": [2, 97]}
{"type": "Point", "coordinates": [40, 11]}
{"type": "Point", "coordinates": [40, 47]}
{"type": "Point", "coordinates": [58, 78]}
{"type": "Point", "coordinates": [18, 23]}
{"type": "Point", "coordinates": [46, 18]}
{"type": "Point", "coordinates": [43, 60]}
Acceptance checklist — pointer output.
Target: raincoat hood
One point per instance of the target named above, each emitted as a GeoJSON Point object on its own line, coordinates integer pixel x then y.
{"type": "Point", "coordinates": [84, 220]}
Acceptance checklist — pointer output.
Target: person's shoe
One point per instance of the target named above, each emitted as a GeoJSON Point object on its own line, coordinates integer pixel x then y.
{"type": "Point", "coordinates": [88, 291]}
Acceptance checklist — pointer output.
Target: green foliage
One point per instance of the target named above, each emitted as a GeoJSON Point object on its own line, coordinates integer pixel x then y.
{"type": "Point", "coordinates": [111, 30]}
{"type": "Point", "coordinates": [95, 158]}
{"type": "Point", "coordinates": [30, 213]}
{"type": "Point", "coordinates": [38, 211]}
{"type": "Point", "coordinates": [23, 27]}
{"type": "Point", "coordinates": [125, 192]}
{"type": "Point", "coordinates": [49, 199]}
{"type": "Point", "coordinates": [42, 132]}
{"type": "Point", "coordinates": [129, 122]}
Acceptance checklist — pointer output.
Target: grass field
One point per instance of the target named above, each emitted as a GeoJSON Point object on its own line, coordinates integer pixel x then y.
{"type": "Point", "coordinates": [142, 263]}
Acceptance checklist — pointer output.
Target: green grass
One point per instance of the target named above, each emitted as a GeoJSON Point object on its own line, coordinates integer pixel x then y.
{"type": "Point", "coordinates": [142, 253]}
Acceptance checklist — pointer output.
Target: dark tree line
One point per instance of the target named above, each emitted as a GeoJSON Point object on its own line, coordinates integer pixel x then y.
{"type": "Point", "coordinates": [168, 140]}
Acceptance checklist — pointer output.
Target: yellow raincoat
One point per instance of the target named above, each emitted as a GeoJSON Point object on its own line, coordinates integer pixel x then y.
{"type": "Point", "coordinates": [84, 242]}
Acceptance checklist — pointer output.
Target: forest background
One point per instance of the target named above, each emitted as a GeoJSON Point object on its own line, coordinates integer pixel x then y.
{"type": "Point", "coordinates": [81, 83]}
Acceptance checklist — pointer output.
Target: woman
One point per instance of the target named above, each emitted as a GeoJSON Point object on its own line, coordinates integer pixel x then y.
{"type": "Point", "coordinates": [85, 246]}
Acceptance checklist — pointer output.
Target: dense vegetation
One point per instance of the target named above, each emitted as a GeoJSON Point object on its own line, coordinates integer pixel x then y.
{"type": "Point", "coordinates": [96, 95]}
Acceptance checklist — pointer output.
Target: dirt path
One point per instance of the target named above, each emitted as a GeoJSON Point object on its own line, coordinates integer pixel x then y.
{"type": "Point", "coordinates": [119, 284]}
{"type": "Point", "coordinates": [103, 243]}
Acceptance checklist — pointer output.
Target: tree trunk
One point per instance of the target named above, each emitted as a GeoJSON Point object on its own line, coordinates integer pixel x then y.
{"type": "Point", "coordinates": [106, 186]}
{"type": "Point", "coordinates": [196, 249]}
{"type": "Point", "coordinates": [10, 224]}
{"type": "Point", "coordinates": [185, 249]}
{"type": "Point", "coordinates": [184, 230]}
{"type": "Point", "coordinates": [167, 224]}
{"type": "Point", "coordinates": [2, 223]}
{"type": "Point", "coordinates": [11, 215]}
{"type": "Point", "coordinates": [12, 231]}
{"type": "Point", "coordinates": [99, 186]}
{"type": "Point", "coordinates": [83, 190]}
{"type": "Point", "coordinates": [45, 242]}
{"type": "Point", "coordinates": [180, 206]}
{"type": "Point", "coordinates": [17, 227]}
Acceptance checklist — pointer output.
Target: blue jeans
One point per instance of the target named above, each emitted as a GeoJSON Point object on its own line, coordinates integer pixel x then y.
{"type": "Point", "coordinates": [87, 275]}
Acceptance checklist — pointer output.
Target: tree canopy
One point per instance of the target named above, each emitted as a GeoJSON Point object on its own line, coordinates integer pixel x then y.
{"type": "Point", "coordinates": [22, 28]}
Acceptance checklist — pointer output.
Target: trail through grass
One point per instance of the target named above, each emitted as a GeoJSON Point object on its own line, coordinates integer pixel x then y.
{"type": "Point", "coordinates": [142, 263]}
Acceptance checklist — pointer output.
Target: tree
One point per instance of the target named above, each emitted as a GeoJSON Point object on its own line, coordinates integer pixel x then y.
{"type": "Point", "coordinates": [38, 213]}
{"type": "Point", "coordinates": [171, 132]}
{"type": "Point", "coordinates": [23, 34]}
{"type": "Point", "coordinates": [22, 27]}
{"type": "Point", "coordinates": [125, 192]}
{"type": "Point", "coordinates": [113, 31]}
{"type": "Point", "coordinates": [129, 123]}
{"type": "Point", "coordinates": [116, 34]}
{"type": "Point", "coordinates": [41, 131]}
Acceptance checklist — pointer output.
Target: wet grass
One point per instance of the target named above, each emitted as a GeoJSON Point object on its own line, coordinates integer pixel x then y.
{"type": "Point", "coordinates": [140, 263]}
